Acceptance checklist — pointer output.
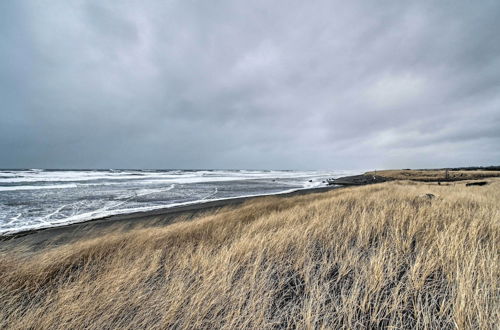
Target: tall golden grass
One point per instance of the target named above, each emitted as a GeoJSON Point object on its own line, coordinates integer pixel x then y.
{"type": "Point", "coordinates": [435, 175]}
{"type": "Point", "coordinates": [385, 255]}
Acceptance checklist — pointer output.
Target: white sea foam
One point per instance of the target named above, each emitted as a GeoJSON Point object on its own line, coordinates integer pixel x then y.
{"type": "Point", "coordinates": [195, 176]}
{"type": "Point", "coordinates": [56, 186]}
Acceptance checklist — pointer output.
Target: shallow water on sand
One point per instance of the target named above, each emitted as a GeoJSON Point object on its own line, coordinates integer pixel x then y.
{"type": "Point", "coordinates": [35, 198]}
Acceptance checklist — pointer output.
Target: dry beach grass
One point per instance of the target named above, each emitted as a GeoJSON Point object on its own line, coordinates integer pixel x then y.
{"type": "Point", "coordinates": [382, 255]}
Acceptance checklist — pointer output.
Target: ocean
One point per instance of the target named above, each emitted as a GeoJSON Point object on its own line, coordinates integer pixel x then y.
{"type": "Point", "coordinates": [35, 198]}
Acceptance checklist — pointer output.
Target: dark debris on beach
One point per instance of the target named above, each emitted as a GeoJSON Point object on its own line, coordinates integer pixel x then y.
{"type": "Point", "coordinates": [358, 180]}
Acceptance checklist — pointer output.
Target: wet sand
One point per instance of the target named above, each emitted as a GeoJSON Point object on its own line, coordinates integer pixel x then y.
{"type": "Point", "coordinates": [36, 239]}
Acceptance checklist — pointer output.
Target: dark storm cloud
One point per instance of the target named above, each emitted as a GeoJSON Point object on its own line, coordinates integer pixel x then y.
{"type": "Point", "coordinates": [239, 84]}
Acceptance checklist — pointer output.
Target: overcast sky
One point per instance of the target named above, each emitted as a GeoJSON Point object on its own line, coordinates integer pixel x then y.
{"type": "Point", "coordinates": [249, 84]}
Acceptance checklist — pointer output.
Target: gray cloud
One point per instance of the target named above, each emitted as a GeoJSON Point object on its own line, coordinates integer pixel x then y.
{"type": "Point", "coordinates": [238, 84]}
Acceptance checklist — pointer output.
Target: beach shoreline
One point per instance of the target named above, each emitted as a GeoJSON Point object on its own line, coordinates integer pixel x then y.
{"type": "Point", "coordinates": [159, 217]}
